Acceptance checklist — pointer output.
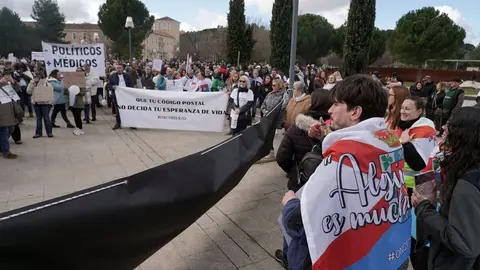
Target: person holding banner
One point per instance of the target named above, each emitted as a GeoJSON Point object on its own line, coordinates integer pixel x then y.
{"type": "Point", "coordinates": [59, 100]}
{"type": "Point", "coordinates": [42, 98]}
{"type": "Point", "coordinates": [7, 116]}
{"type": "Point", "coordinates": [241, 100]}
{"type": "Point", "coordinates": [119, 78]}
{"type": "Point", "coordinates": [91, 98]}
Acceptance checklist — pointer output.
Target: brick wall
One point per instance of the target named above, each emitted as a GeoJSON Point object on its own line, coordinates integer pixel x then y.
{"type": "Point", "coordinates": [410, 74]}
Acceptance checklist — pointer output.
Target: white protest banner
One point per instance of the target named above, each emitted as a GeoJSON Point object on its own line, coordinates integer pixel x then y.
{"type": "Point", "coordinates": [157, 64]}
{"type": "Point", "coordinates": [37, 56]}
{"type": "Point", "coordinates": [171, 109]}
{"type": "Point", "coordinates": [175, 85]}
{"type": "Point", "coordinates": [68, 57]}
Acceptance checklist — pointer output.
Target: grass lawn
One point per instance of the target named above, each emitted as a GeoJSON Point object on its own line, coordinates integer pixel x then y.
{"type": "Point", "coordinates": [468, 91]}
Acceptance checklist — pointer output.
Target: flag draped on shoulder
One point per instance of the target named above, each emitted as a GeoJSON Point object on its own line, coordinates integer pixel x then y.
{"type": "Point", "coordinates": [424, 134]}
{"type": "Point", "coordinates": [355, 207]}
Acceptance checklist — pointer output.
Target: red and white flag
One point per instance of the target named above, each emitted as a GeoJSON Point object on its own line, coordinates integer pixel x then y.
{"type": "Point", "coordinates": [355, 207]}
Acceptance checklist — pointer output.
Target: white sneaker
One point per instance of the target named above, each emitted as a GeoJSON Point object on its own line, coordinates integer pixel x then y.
{"type": "Point", "coordinates": [81, 132]}
{"type": "Point", "coordinates": [76, 132]}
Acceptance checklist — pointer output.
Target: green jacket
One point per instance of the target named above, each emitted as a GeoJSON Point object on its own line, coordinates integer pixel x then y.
{"type": "Point", "coordinates": [79, 103]}
{"type": "Point", "coordinates": [217, 83]}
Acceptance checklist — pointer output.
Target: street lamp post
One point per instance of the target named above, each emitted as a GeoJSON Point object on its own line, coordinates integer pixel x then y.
{"type": "Point", "coordinates": [293, 47]}
{"type": "Point", "coordinates": [129, 25]}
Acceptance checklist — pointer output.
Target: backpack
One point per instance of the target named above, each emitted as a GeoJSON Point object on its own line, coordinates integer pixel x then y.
{"type": "Point", "coordinates": [310, 162]}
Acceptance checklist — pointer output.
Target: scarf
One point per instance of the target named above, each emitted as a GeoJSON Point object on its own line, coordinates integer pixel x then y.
{"type": "Point", "coordinates": [240, 89]}
{"type": "Point", "coordinates": [356, 206]}
{"type": "Point", "coordinates": [404, 125]}
{"type": "Point", "coordinates": [298, 99]}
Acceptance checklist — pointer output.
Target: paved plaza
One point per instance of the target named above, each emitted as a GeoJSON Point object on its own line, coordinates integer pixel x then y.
{"type": "Point", "coordinates": [240, 232]}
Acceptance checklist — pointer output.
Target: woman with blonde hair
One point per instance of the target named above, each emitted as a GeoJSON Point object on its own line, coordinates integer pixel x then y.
{"type": "Point", "coordinates": [396, 96]}
{"type": "Point", "coordinates": [277, 95]}
{"type": "Point", "coordinates": [232, 81]}
{"type": "Point", "coordinates": [241, 102]}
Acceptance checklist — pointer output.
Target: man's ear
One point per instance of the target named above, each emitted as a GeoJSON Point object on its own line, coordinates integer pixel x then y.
{"type": "Point", "coordinates": [357, 114]}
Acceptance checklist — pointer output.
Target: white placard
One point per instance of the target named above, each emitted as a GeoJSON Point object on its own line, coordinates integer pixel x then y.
{"type": "Point", "coordinates": [12, 58]}
{"type": "Point", "coordinates": [68, 57]}
{"type": "Point", "coordinates": [171, 109]}
{"type": "Point", "coordinates": [157, 64]}
{"type": "Point", "coordinates": [175, 85]}
{"type": "Point", "coordinates": [8, 94]}
{"type": "Point", "coordinates": [38, 56]}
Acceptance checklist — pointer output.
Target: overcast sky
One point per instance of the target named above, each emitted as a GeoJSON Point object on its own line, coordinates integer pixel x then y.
{"type": "Point", "coordinates": [196, 15]}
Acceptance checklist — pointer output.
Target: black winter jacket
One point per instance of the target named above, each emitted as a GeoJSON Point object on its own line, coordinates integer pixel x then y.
{"type": "Point", "coordinates": [294, 146]}
{"type": "Point", "coordinates": [454, 232]}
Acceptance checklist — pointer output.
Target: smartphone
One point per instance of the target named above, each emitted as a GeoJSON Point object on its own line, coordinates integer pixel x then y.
{"type": "Point", "coordinates": [425, 184]}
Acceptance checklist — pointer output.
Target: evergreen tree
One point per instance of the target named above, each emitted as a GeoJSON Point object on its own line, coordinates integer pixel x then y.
{"type": "Point", "coordinates": [111, 18]}
{"type": "Point", "coordinates": [16, 37]}
{"type": "Point", "coordinates": [236, 39]}
{"type": "Point", "coordinates": [281, 34]}
{"type": "Point", "coordinates": [358, 38]}
{"type": "Point", "coordinates": [50, 21]}
{"type": "Point", "coordinates": [249, 44]}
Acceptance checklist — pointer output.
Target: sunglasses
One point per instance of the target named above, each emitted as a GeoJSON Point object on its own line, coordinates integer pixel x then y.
{"type": "Point", "coordinates": [242, 81]}
{"type": "Point", "coordinates": [274, 85]}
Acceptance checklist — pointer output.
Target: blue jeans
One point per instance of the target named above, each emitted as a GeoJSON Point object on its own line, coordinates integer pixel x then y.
{"type": "Point", "coordinates": [4, 136]}
{"type": "Point", "coordinates": [42, 111]}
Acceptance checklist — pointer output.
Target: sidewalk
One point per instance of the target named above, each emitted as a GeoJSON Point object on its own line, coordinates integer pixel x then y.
{"type": "Point", "coordinates": [240, 232]}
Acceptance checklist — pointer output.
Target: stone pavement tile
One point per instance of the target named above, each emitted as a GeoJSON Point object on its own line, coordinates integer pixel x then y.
{"type": "Point", "coordinates": [213, 259]}
{"type": "Point", "coordinates": [255, 252]}
{"type": "Point", "coordinates": [26, 191]}
{"type": "Point", "coordinates": [252, 222]}
{"type": "Point", "coordinates": [3, 206]}
{"type": "Point", "coordinates": [235, 253]}
{"type": "Point", "coordinates": [277, 196]}
{"type": "Point", "coordinates": [168, 258]}
{"type": "Point", "coordinates": [206, 222]}
{"type": "Point", "coordinates": [270, 241]}
{"type": "Point", "coordinates": [23, 202]}
{"type": "Point", "coordinates": [6, 185]}
{"type": "Point", "coordinates": [269, 209]}
{"type": "Point", "coordinates": [217, 235]}
{"type": "Point", "coordinates": [110, 172]}
{"type": "Point", "coordinates": [51, 188]}
{"type": "Point", "coordinates": [192, 241]}
{"type": "Point", "coordinates": [232, 205]}
{"type": "Point", "coordinates": [268, 264]}
{"type": "Point", "coordinates": [219, 217]}
{"type": "Point", "coordinates": [87, 181]}
{"type": "Point", "coordinates": [234, 231]}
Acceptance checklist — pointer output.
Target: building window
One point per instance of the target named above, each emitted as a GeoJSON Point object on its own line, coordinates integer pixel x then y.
{"type": "Point", "coordinates": [84, 36]}
{"type": "Point", "coordinates": [74, 36]}
{"type": "Point", "coordinates": [95, 36]}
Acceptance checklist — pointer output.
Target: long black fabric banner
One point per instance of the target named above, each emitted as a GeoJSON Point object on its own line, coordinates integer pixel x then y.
{"type": "Point", "coordinates": [120, 224]}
